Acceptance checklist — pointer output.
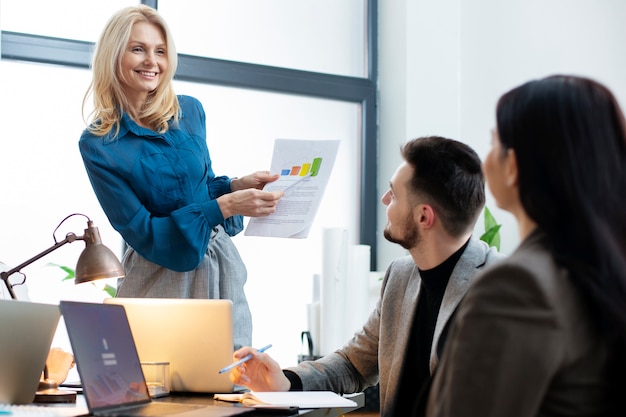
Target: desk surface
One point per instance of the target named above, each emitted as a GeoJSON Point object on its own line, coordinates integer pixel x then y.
{"type": "Point", "coordinates": [80, 408]}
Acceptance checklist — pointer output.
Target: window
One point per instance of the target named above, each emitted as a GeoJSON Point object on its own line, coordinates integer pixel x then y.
{"type": "Point", "coordinates": [308, 95]}
{"type": "Point", "coordinates": [325, 36]}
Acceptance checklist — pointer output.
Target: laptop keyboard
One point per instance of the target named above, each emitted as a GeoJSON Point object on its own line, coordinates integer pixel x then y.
{"type": "Point", "coordinates": [19, 410]}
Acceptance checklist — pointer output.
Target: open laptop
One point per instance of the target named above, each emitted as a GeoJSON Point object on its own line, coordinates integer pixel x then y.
{"type": "Point", "coordinates": [26, 332]}
{"type": "Point", "coordinates": [109, 368]}
{"type": "Point", "coordinates": [194, 335]}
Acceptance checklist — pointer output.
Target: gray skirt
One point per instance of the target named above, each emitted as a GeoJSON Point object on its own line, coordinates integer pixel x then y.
{"type": "Point", "coordinates": [221, 275]}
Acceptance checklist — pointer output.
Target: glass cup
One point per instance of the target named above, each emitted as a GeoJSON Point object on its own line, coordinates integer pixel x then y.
{"type": "Point", "coordinates": [157, 376]}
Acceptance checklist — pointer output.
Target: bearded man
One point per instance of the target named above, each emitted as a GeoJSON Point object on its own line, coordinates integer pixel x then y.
{"type": "Point", "coordinates": [434, 199]}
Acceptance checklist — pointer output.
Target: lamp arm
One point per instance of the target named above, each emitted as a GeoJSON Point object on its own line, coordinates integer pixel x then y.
{"type": "Point", "coordinates": [71, 237]}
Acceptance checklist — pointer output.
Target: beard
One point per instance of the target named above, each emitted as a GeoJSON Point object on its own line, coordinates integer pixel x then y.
{"type": "Point", "coordinates": [411, 235]}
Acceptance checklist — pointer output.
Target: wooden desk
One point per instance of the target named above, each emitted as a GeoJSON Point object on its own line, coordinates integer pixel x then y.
{"type": "Point", "coordinates": [80, 408]}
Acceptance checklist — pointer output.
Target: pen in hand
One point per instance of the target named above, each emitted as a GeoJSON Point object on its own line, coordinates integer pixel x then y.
{"type": "Point", "coordinates": [243, 360]}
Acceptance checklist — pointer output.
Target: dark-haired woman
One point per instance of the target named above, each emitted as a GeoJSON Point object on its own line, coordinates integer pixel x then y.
{"type": "Point", "coordinates": [543, 333]}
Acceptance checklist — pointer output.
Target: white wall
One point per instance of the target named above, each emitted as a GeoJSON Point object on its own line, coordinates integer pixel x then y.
{"type": "Point", "coordinates": [444, 64]}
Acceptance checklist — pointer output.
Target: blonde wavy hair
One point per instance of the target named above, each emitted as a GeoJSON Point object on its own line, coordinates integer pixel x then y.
{"type": "Point", "coordinates": [108, 97]}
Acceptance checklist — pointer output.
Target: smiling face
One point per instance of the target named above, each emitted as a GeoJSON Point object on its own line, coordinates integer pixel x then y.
{"type": "Point", "coordinates": [143, 62]}
{"type": "Point", "coordinates": [401, 227]}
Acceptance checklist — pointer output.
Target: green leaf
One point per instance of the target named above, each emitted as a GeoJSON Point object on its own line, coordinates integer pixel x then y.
{"type": "Point", "coordinates": [109, 289]}
{"type": "Point", "coordinates": [496, 241]}
{"type": "Point", "coordinates": [490, 221]}
{"type": "Point", "coordinates": [492, 230]}
{"type": "Point", "coordinates": [71, 274]}
{"type": "Point", "coordinates": [492, 236]}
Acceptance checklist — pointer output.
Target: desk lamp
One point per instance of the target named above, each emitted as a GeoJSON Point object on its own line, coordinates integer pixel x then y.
{"type": "Point", "coordinates": [95, 262]}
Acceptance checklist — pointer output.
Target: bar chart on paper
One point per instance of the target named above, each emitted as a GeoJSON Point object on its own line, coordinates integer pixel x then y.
{"type": "Point", "coordinates": [308, 168]}
{"type": "Point", "coordinates": [305, 167]}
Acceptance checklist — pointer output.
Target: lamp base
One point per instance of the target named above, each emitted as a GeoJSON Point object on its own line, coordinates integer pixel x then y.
{"type": "Point", "coordinates": [54, 395]}
{"type": "Point", "coordinates": [48, 392]}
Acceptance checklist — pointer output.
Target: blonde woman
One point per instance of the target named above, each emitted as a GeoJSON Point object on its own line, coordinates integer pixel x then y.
{"type": "Point", "coordinates": [147, 159]}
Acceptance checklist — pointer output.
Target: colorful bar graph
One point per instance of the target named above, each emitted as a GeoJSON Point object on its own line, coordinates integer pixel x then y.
{"type": "Point", "coordinates": [307, 168]}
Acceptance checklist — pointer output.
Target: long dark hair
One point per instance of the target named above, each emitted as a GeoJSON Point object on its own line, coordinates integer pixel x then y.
{"type": "Point", "coordinates": [569, 137]}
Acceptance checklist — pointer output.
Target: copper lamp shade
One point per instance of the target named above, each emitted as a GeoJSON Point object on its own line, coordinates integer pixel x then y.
{"type": "Point", "coordinates": [96, 261]}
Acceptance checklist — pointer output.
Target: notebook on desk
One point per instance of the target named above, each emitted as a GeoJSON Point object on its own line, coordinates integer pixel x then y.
{"type": "Point", "coordinates": [26, 332]}
{"type": "Point", "coordinates": [109, 367]}
{"type": "Point", "coordinates": [194, 335]}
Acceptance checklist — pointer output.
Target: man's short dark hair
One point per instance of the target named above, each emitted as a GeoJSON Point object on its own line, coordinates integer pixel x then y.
{"type": "Point", "coordinates": [448, 176]}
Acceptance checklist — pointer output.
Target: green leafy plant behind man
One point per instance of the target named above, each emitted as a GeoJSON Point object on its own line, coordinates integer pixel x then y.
{"type": "Point", "coordinates": [492, 230]}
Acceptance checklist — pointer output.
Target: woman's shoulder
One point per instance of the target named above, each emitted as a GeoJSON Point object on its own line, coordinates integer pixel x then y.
{"type": "Point", "coordinates": [529, 276]}
{"type": "Point", "coordinates": [89, 136]}
{"type": "Point", "coordinates": [190, 106]}
{"type": "Point", "coordinates": [188, 101]}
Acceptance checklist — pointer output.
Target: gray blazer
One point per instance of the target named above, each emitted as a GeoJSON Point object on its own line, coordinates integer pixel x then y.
{"type": "Point", "coordinates": [377, 352]}
{"type": "Point", "coordinates": [522, 344]}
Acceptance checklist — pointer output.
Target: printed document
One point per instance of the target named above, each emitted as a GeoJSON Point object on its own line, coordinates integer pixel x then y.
{"type": "Point", "coordinates": [300, 399]}
{"type": "Point", "coordinates": [304, 167]}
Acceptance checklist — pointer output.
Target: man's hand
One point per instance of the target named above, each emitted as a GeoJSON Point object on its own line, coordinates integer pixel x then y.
{"type": "Point", "coordinates": [261, 373]}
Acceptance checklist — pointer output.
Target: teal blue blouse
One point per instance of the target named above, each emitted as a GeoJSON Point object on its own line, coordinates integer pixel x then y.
{"type": "Point", "coordinates": [159, 190]}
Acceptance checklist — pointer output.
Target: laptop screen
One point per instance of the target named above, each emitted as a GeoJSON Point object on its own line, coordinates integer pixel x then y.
{"type": "Point", "coordinates": [26, 331]}
{"type": "Point", "coordinates": [105, 355]}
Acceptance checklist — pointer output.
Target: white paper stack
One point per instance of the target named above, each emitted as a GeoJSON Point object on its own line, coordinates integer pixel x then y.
{"type": "Point", "coordinates": [333, 289]}
{"type": "Point", "coordinates": [344, 290]}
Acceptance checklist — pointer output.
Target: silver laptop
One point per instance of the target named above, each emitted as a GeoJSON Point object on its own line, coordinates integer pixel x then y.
{"type": "Point", "coordinates": [194, 335]}
{"type": "Point", "coordinates": [26, 332]}
{"type": "Point", "coordinates": [109, 368]}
